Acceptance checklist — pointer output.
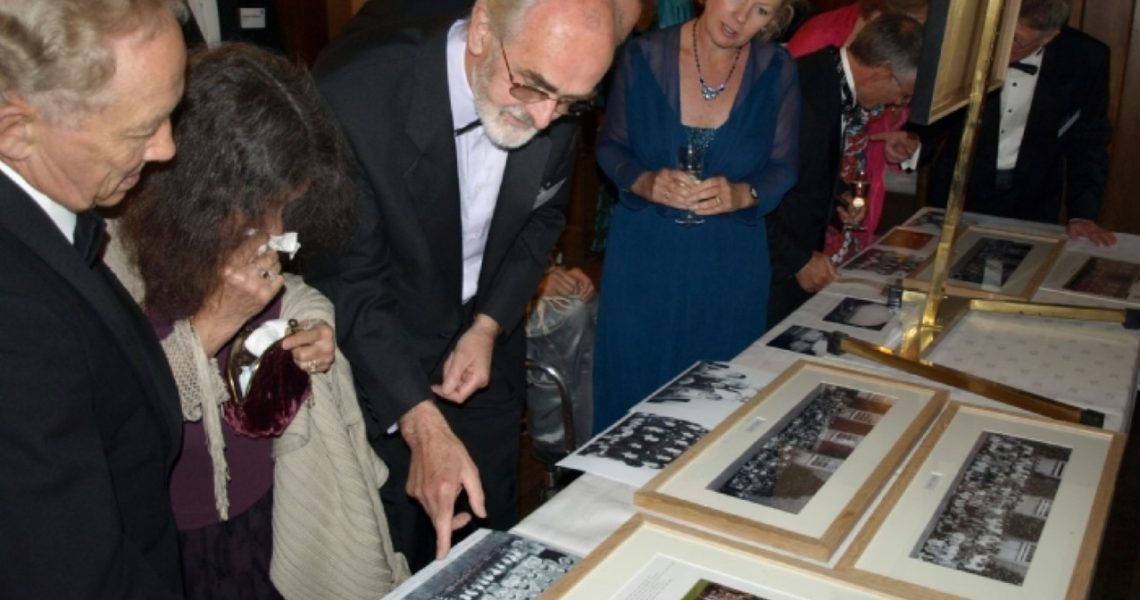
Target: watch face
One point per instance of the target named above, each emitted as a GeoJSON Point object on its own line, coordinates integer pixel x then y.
{"type": "Point", "coordinates": [753, 190]}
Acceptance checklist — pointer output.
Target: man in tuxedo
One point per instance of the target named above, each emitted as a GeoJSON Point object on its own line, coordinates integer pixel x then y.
{"type": "Point", "coordinates": [90, 421]}
{"type": "Point", "coordinates": [1042, 143]}
{"type": "Point", "coordinates": [841, 88]}
{"type": "Point", "coordinates": [465, 170]}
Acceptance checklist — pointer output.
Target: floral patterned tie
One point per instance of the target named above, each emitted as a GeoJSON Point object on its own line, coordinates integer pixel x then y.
{"type": "Point", "coordinates": [841, 243]}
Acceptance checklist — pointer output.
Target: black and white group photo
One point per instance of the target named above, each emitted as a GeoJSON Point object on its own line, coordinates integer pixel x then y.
{"type": "Point", "coordinates": [991, 519]}
{"type": "Point", "coordinates": [501, 566]}
{"type": "Point", "coordinates": [644, 440]}
{"type": "Point", "coordinates": [707, 380]}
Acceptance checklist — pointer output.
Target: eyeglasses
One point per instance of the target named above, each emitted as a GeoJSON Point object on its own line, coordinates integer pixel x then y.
{"type": "Point", "coordinates": [528, 94]}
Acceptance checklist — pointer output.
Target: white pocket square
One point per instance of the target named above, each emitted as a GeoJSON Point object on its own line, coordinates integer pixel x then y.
{"type": "Point", "coordinates": [1069, 123]}
{"type": "Point", "coordinates": [547, 192]}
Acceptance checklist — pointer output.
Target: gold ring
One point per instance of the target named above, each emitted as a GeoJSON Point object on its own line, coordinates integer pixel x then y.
{"type": "Point", "coordinates": [312, 367]}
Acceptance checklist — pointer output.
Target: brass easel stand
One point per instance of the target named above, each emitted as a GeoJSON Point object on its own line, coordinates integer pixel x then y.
{"type": "Point", "coordinates": [941, 311]}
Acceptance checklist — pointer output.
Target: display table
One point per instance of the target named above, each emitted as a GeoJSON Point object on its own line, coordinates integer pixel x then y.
{"type": "Point", "coordinates": [1092, 365]}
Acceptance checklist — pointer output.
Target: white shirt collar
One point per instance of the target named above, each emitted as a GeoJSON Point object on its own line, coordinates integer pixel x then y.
{"type": "Point", "coordinates": [847, 73]}
{"type": "Point", "coordinates": [61, 216]}
{"type": "Point", "coordinates": [458, 88]}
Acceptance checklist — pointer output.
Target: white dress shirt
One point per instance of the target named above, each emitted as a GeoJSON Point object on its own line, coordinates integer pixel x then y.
{"type": "Point", "coordinates": [62, 217]}
{"type": "Point", "coordinates": [1016, 99]}
{"type": "Point", "coordinates": [480, 163]}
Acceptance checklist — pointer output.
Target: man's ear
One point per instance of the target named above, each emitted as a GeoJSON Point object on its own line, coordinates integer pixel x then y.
{"type": "Point", "coordinates": [1049, 38]}
{"type": "Point", "coordinates": [17, 126]}
{"type": "Point", "coordinates": [479, 33]}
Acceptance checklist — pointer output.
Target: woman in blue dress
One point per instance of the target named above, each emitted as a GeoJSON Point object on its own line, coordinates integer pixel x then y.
{"type": "Point", "coordinates": [686, 271]}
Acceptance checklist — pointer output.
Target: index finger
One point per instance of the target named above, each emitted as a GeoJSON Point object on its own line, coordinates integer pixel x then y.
{"type": "Point", "coordinates": [442, 524]}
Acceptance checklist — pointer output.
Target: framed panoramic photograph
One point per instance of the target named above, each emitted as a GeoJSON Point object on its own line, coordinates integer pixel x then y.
{"type": "Point", "coordinates": [652, 558]}
{"type": "Point", "coordinates": [1100, 278]}
{"type": "Point", "coordinates": [796, 466]}
{"type": "Point", "coordinates": [992, 505]}
{"type": "Point", "coordinates": [952, 44]}
{"type": "Point", "coordinates": [994, 264]}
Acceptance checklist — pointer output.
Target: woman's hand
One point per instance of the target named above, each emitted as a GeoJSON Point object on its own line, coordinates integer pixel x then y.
{"type": "Point", "coordinates": [313, 346]}
{"type": "Point", "coordinates": [251, 278]}
{"type": "Point", "coordinates": [717, 195]}
{"type": "Point", "coordinates": [669, 187]}
{"type": "Point", "coordinates": [848, 213]}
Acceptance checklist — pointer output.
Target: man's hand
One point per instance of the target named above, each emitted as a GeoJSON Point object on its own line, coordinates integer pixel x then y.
{"type": "Point", "coordinates": [817, 273]}
{"type": "Point", "coordinates": [440, 470]}
{"type": "Point", "coordinates": [1083, 228]}
{"type": "Point", "coordinates": [468, 367]}
{"type": "Point", "coordinates": [898, 146]}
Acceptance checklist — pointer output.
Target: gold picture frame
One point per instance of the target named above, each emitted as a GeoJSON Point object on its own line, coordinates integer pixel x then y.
{"type": "Point", "coordinates": [676, 561]}
{"type": "Point", "coordinates": [796, 466]}
{"type": "Point", "coordinates": [992, 505]}
{"type": "Point", "coordinates": [1023, 259]}
{"type": "Point", "coordinates": [952, 42]}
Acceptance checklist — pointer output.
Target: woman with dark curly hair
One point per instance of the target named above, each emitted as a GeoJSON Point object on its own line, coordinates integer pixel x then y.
{"type": "Point", "coordinates": [289, 506]}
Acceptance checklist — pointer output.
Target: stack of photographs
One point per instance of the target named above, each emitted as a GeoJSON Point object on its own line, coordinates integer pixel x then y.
{"type": "Point", "coordinates": [660, 428]}
{"type": "Point", "coordinates": [898, 253]}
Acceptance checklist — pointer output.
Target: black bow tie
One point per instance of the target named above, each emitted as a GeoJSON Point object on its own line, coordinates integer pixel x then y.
{"type": "Point", "coordinates": [468, 127]}
{"type": "Point", "coordinates": [1025, 67]}
{"type": "Point", "coordinates": [89, 236]}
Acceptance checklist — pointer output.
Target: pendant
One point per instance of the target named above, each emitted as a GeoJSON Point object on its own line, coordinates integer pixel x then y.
{"type": "Point", "coordinates": [710, 93]}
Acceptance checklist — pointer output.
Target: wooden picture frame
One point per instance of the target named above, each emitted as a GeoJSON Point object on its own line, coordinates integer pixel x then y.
{"type": "Point", "coordinates": [677, 561]}
{"type": "Point", "coordinates": [951, 44]}
{"type": "Point", "coordinates": [796, 466]}
{"type": "Point", "coordinates": [1040, 478]}
{"type": "Point", "coordinates": [1024, 259]}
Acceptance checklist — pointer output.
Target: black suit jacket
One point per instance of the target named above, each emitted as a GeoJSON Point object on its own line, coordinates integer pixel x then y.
{"type": "Point", "coordinates": [397, 290]}
{"type": "Point", "coordinates": [90, 424]}
{"type": "Point", "coordinates": [1064, 151]}
{"type": "Point", "coordinates": [797, 227]}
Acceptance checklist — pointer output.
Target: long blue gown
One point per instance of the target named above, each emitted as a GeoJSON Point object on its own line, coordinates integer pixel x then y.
{"type": "Point", "coordinates": [674, 294]}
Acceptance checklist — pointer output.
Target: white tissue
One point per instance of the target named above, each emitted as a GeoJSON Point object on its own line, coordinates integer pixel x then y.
{"type": "Point", "coordinates": [286, 242]}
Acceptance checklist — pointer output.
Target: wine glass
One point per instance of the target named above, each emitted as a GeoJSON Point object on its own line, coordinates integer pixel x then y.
{"type": "Point", "coordinates": [690, 159]}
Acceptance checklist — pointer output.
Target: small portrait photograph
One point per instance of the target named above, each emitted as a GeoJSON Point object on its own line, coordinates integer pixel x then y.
{"type": "Point", "coordinates": [884, 262]}
{"type": "Point", "coordinates": [907, 239]}
{"type": "Point", "coordinates": [990, 262]}
{"type": "Point", "coordinates": [804, 340]}
{"type": "Point", "coordinates": [1106, 277]}
{"type": "Point", "coordinates": [501, 565]}
{"type": "Point", "coordinates": [643, 440]}
{"type": "Point", "coordinates": [856, 312]}
{"type": "Point", "coordinates": [710, 590]}
{"type": "Point", "coordinates": [991, 519]}
{"type": "Point", "coordinates": [707, 380]}
{"type": "Point", "coordinates": [785, 468]}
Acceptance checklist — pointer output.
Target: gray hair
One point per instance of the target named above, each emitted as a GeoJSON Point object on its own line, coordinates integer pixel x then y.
{"type": "Point", "coordinates": [893, 40]}
{"type": "Point", "coordinates": [1044, 15]}
{"type": "Point", "coordinates": [507, 16]}
{"type": "Point", "coordinates": [55, 54]}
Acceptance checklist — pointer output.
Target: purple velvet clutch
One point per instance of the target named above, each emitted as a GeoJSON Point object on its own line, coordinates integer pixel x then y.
{"type": "Point", "coordinates": [276, 389]}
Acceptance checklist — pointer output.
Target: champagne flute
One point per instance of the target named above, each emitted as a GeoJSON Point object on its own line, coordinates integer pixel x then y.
{"type": "Point", "coordinates": [690, 159]}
